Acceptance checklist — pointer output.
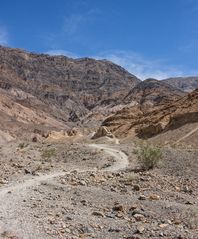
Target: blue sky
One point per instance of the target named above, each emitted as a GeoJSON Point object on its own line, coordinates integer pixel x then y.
{"type": "Point", "coordinates": [150, 38]}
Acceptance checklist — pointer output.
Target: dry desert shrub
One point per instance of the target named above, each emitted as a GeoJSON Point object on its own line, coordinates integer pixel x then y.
{"type": "Point", "coordinates": [47, 154]}
{"type": "Point", "coordinates": [149, 156]}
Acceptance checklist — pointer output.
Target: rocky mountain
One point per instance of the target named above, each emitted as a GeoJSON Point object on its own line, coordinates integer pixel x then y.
{"type": "Point", "coordinates": [20, 112]}
{"type": "Point", "coordinates": [145, 94]}
{"type": "Point", "coordinates": [152, 92]}
{"type": "Point", "coordinates": [183, 83]}
{"type": "Point", "coordinates": [65, 89]}
{"type": "Point", "coordinates": [147, 123]}
{"type": "Point", "coordinates": [58, 92]}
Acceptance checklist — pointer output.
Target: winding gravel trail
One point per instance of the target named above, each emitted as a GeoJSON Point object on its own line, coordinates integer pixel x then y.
{"type": "Point", "coordinates": [12, 196]}
{"type": "Point", "coordinates": [121, 158]}
{"type": "Point", "coordinates": [187, 135]}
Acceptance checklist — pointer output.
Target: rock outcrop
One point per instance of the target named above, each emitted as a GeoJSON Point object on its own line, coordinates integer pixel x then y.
{"type": "Point", "coordinates": [147, 123]}
{"type": "Point", "coordinates": [187, 84]}
{"type": "Point", "coordinates": [102, 132]}
{"type": "Point", "coordinates": [153, 92]}
{"type": "Point", "coordinates": [72, 85]}
{"type": "Point", "coordinates": [56, 91]}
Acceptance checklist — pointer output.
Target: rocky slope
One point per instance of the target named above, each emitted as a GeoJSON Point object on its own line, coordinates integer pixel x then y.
{"type": "Point", "coordinates": [20, 112]}
{"type": "Point", "coordinates": [147, 123]}
{"type": "Point", "coordinates": [183, 83]}
{"type": "Point", "coordinates": [41, 88]}
{"type": "Point", "coordinates": [145, 94]}
{"type": "Point", "coordinates": [62, 195]}
{"type": "Point", "coordinates": [153, 92]}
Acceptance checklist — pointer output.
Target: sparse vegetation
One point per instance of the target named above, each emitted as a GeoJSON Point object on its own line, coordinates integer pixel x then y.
{"type": "Point", "coordinates": [131, 177]}
{"type": "Point", "coordinates": [149, 156]}
{"type": "Point", "coordinates": [47, 154]}
{"type": "Point", "coordinates": [22, 145]}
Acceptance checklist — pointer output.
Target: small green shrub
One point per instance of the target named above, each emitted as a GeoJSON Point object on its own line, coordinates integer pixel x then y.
{"type": "Point", "coordinates": [22, 145]}
{"type": "Point", "coordinates": [48, 153]}
{"type": "Point", "coordinates": [149, 156]}
{"type": "Point", "coordinates": [131, 177]}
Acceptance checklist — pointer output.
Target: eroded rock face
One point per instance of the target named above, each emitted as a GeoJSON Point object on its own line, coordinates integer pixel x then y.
{"type": "Point", "coordinates": [153, 92]}
{"type": "Point", "coordinates": [70, 84]}
{"type": "Point", "coordinates": [187, 84]}
{"type": "Point", "coordinates": [72, 132]}
{"type": "Point", "coordinates": [102, 132]}
{"type": "Point", "coordinates": [56, 91]}
{"type": "Point", "coordinates": [152, 121]}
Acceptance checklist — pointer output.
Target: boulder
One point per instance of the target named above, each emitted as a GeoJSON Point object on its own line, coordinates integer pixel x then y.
{"type": "Point", "coordinates": [101, 132]}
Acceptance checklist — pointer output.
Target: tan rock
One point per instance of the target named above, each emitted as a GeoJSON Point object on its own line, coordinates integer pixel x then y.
{"type": "Point", "coordinates": [101, 132]}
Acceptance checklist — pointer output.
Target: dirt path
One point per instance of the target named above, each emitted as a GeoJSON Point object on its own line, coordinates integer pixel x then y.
{"type": "Point", "coordinates": [187, 135]}
{"type": "Point", "coordinates": [13, 195]}
{"type": "Point", "coordinates": [121, 158]}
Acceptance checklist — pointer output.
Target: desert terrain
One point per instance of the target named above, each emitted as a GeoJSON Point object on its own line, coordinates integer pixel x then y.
{"type": "Point", "coordinates": [71, 133]}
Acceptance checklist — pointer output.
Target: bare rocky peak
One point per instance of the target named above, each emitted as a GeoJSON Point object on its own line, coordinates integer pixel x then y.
{"type": "Point", "coordinates": [57, 78]}
{"type": "Point", "coordinates": [65, 92]}
{"type": "Point", "coordinates": [65, 89]}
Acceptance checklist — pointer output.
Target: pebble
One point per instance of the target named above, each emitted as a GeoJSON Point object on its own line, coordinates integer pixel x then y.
{"type": "Point", "coordinates": [27, 171]}
{"type": "Point", "coordinates": [114, 230]}
{"type": "Point", "coordinates": [67, 230]}
{"type": "Point", "coordinates": [3, 181]}
{"type": "Point", "coordinates": [134, 206]}
{"type": "Point", "coordinates": [139, 217]}
{"type": "Point", "coordinates": [154, 197]}
{"type": "Point", "coordinates": [118, 208]}
{"type": "Point", "coordinates": [163, 225]}
{"type": "Point", "coordinates": [83, 183]}
{"type": "Point", "coordinates": [142, 197]}
{"type": "Point", "coordinates": [140, 229]}
{"type": "Point", "coordinates": [99, 214]}
{"type": "Point", "coordinates": [136, 187]}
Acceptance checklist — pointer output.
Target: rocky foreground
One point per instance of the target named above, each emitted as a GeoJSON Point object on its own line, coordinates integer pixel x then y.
{"type": "Point", "coordinates": [70, 135]}
{"type": "Point", "coordinates": [65, 190]}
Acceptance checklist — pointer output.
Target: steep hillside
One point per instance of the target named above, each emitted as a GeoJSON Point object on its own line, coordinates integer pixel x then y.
{"type": "Point", "coordinates": [56, 91]}
{"type": "Point", "coordinates": [150, 122]}
{"type": "Point", "coordinates": [183, 83]}
{"type": "Point", "coordinates": [21, 112]}
{"type": "Point", "coordinates": [145, 94]}
{"type": "Point", "coordinates": [152, 92]}
{"type": "Point", "coordinates": [73, 85]}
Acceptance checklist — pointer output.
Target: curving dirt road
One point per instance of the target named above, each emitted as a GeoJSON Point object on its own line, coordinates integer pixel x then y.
{"type": "Point", "coordinates": [121, 158]}
{"type": "Point", "coordinates": [12, 196]}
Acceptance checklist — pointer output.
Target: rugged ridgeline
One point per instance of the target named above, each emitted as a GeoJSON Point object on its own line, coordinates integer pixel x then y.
{"type": "Point", "coordinates": [145, 95]}
{"type": "Point", "coordinates": [183, 83]}
{"type": "Point", "coordinates": [153, 92]}
{"type": "Point", "coordinates": [133, 121]}
{"type": "Point", "coordinates": [57, 90]}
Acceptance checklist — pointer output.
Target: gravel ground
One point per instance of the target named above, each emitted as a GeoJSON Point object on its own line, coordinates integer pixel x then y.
{"type": "Point", "coordinates": [79, 199]}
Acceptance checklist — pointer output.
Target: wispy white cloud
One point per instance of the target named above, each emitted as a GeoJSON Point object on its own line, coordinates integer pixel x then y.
{"type": "Point", "coordinates": [141, 66]}
{"type": "Point", "coordinates": [72, 29]}
{"type": "Point", "coordinates": [3, 36]}
{"type": "Point", "coordinates": [74, 23]}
